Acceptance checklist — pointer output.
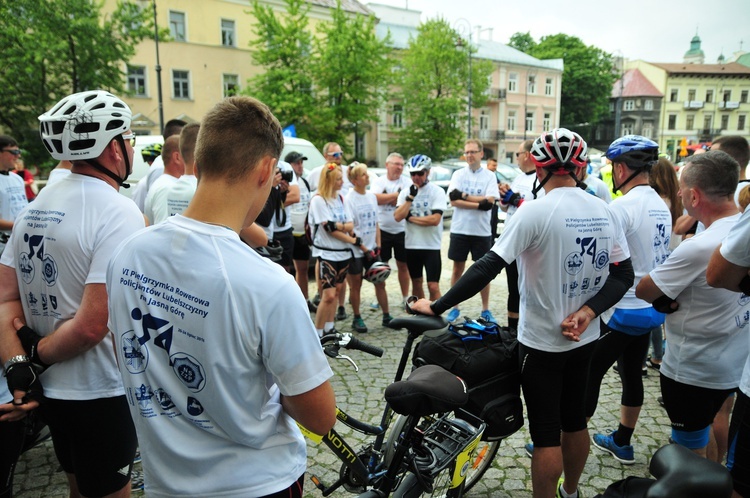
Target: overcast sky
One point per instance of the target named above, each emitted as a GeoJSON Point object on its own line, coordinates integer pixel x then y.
{"type": "Point", "coordinates": [652, 30]}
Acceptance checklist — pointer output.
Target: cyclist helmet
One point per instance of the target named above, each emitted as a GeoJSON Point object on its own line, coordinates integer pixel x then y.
{"type": "Point", "coordinates": [419, 162]}
{"type": "Point", "coordinates": [635, 151]}
{"type": "Point", "coordinates": [81, 125]}
{"type": "Point", "coordinates": [151, 152]}
{"type": "Point", "coordinates": [559, 151]}
{"type": "Point", "coordinates": [378, 272]}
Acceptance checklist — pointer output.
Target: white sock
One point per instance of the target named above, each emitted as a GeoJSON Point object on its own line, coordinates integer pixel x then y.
{"type": "Point", "coordinates": [328, 326]}
{"type": "Point", "coordinates": [320, 332]}
{"type": "Point", "coordinates": [564, 494]}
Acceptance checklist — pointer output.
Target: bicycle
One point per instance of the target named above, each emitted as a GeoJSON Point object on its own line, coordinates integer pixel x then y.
{"type": "Point", "coordinates": [430, 457]}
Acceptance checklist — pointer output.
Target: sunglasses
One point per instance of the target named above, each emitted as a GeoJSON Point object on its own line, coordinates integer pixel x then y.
{"type": "Point", "coordinates": [417, 173]}
{"type": "Point", "coordinates": [336, 154]}
{"type": "Point", "coordinates": [15, 152]}
{"type": "Point", "coordinates": [518, 154]}
{"type": "Point", "coordinates": [129, 137]}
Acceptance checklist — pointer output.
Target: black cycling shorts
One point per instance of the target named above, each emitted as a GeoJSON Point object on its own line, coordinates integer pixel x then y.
{"type": "Point", "coordinates": [286, 239]}
{"type": "Point", "coordinates": [95, 440]}
{"type": "Point", "coordinates": [691, 408]}
{"type": "Point", "coordinates": [357, 266]}
{"type": "Point", "coordinates": [429, 259]}
{"type": "Point", "coordinates": [332, 273]}
{"type": "Point", "coordinates": [392, 242]}
{"type": "Point", "coordinates": [301, 250]}
{"type": "Point", "coordinates": [739, 440]}
{"type": "Point", "coordinates": [461, 245]}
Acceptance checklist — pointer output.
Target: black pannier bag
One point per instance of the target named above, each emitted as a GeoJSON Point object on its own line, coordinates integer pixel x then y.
{"type": "Point", "coordinates": [488, 363]}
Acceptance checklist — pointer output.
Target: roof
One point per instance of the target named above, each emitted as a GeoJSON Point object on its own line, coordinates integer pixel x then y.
{"type": "Point", "coordinates": [488, 50]}
{"type": "Point", "coordinates": [635, 85]}
{"type": "Point", "coordinates": [347, 5]}
{"type": "Point", "coordinates": [709, 69]}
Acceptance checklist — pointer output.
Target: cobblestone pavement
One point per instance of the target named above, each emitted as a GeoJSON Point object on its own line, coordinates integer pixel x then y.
{"type": "Point", "coordinates": [360, 394]}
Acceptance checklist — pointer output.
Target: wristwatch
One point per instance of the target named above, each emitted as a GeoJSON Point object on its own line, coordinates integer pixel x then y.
{"type": "Point", "coordinates": [16, 359]}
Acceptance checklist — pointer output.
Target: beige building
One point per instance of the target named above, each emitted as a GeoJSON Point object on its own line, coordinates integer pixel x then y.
{"type": "Point", "coordinates": [207, 59]}
{"type": "Point", "coordinates": [524, 92]}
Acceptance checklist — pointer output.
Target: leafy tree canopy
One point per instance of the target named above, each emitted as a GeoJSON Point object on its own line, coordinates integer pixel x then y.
{"type": "Point", "coordinates": [52, 48]}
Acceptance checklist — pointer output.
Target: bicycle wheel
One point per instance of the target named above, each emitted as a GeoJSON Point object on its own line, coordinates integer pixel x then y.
{"type": "Point", "coordinates": [481, 462]}
{"type": "Point", "coordinates": [411, 487]}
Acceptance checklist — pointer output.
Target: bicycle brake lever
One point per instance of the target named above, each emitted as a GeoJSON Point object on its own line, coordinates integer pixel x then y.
{"type": "Point", "coordinates": [347, 358]}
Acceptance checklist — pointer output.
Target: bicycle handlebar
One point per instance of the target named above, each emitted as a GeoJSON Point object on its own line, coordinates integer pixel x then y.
{"type": "Point", "coordinates": [348, 341]}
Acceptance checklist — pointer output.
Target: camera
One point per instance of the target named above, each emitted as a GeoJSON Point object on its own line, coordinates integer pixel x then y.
{"type": "Point", "coordinates": [287, 176]}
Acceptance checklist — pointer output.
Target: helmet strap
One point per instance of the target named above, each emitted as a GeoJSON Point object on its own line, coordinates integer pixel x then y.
{"type": "Point", "coordinates": [579, 183]}
{"type": "Point", "coordinates": [540, 185]}
{"type": "Point", "coordinates": [616, 187]}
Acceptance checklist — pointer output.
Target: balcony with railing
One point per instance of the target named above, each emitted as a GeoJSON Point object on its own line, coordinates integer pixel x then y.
{"type": "Point", "coordinates": [496, 93]}
{"type": "Point", "coordinates": [488, 135]}
{"type": "Point", "coordinates": [693, 104]}
{"type": "Point", "coordinates": [729, 105]}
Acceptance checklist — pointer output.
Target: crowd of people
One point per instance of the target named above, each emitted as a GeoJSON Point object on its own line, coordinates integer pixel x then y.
{"type": "Point", "coordinates": [149, 326]}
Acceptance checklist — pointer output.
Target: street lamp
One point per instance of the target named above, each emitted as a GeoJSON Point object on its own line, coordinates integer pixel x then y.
{"type": "Point", "coordinates": [620, 67]}
{"type": "Point", "coordinates": [158, 72]}
{"type": "Point", "coordinates": [529, 75]}
{"type": "Point", "coordinates": [463, 26]}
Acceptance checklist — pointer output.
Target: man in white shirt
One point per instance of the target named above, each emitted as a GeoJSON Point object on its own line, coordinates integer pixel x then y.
{"type": "Point", "coordinates": [298, 216]}
{"type": "Point", "coordinates": [705, 326]}
{"type": "Point", "coordinates": [53, 274]}
{"type": "Point", "coordinates": [12, 192]}
{"type": "Point", "coordinates": [217, 352]}
{"type": "Point", "coordinates": [472, 193]}
{"type": "Point", "coordinates": [156, 209]}
{"type": "Point", "coordinates": [173, 127]}
{"type": "Point", "coordinates": [181, 192]}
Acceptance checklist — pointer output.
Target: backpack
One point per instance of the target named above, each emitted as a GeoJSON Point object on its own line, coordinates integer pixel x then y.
{"type": "Point", "coordinates": [488, 363]}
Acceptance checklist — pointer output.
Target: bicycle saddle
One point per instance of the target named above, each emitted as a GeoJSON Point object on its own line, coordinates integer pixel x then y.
{"type": "Point", "coordinates": [419, 323]}
{"type": "Point", "coordinates": [429, 389]}
{"type": "Point", "coordinates": [681, 473]}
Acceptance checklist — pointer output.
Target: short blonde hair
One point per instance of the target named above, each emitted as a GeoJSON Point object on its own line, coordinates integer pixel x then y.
{"type": "Point", "coordinates": [356, 169]}
{"type": "Point", "coordinates": [744, 197]}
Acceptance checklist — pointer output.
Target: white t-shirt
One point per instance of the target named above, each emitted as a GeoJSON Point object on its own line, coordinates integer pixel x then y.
{"type": "Point", "coordinates": [597, 187]}
{"type": "Point", "coordinates": [298, 210]}
{"type": "Point", "coordinates": [314, 178]}
{"type": "Point", "coordinates": [706, 337]}
{"type": "Point", "coordinates": [364, 210]}
{"type": "Point", "coordinates": [429, 198]}
{"type": "Point", "coordinates": [208, 336]}
{"type": "Point", "coordinates": [77, 224]}
{"type": "Point", "coordinates": [382, 185]}
{"type": "Point", "coordinates": [287, 218]}
{"type": "Point", "coordinates": [144, 184]}
{"type": "Point", "coordinates": [647, 224]}
{"type": "Point", "coordinates": [564, 243]}
{"type": "Point", "coordinates": [56, 175]}
{"type": "Point", "coordinates": [156, 201]}
{"type": "Point", "coordinates": [481, 182]}
{"type": "Point", "coordinates": [523, 184]}
{"type": "Point", "coordinates": [736, 249]}
{"type": "Point", "coordinates": [12, 201]}
{"type": "Point", "coordinates": [180, 194]}
{"type": "Point", "coordinates": [322, 211]}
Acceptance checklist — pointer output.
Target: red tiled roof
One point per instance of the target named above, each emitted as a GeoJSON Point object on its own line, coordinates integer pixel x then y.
{"type": "Point", "coordinates": [635, 85]}
{"type": "Point", "coordinates": [714, 69]}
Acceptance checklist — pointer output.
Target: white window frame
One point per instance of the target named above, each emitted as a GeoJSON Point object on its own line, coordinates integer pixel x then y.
{"type": "Point", "coordinates": [512, 120]}
{"type": "Point", "coordinates": [628, 105]}
{"type": "Point", "coordinates": [648, 105]}
{"type": "Point", "coordinates": [529, 121]}
{"type": "Point", "coordinates": [547, 121]}
{"type": "Point", "coordinates": [627, 128]}
{"type": "Point", "coordinates": [548, 88]}
{"type": "Point", "coordinates": [513, 82]}
{"type": "Point", "coordinates": [143, 77]}
{"type": "Point", "coordinates": [690, 122]}
{"type": "Point", "coordinates": [225, 84]}
{"type": "Point", "coordinates": [397, 116]}
{"type": "Point", "coordinates": [173, 26]}
{"type": "Point", "coordinates": [648, 130]}
{"type": "Point", "coordinates": [188, 85]}
{"type": "Point", "coordinates": [741, 122]}
{"type": "Point", "coordinates": [531, 84]}
{"type": "Point", "coordinates": [231, 33]}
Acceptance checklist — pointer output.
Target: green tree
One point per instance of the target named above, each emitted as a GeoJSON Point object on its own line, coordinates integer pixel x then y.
{"type": "Point", "coordinates": [52, 48]}
{"type": "Point", "coordinates": [352, 73]}
{"type": "Point", "coordinates": [283, 47]}
{"type": "Point", "coordinates": [434, 87]}
{"type": "Point", "coordinates": [587, 78]}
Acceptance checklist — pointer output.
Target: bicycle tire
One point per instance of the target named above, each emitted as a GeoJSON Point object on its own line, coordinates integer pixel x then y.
{"type": "Point", "coordinates": [481, 462]}
{"type": "Point", "coordinates": [410, 487]}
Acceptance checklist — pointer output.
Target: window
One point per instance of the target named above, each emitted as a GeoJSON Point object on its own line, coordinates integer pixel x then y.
{"type": "Point", "coordinates": [177, 25]}
{"type": "Point", "coordinates": [690, 121]}
{"type": "Point", "coordinates": [628, 105]}
{"type": "Point", "coordinates": [691, 95]}
{"type": "Point", "coordinates": [530, 121]}
{"type": "Point", "coordinates": [673, 95]}
{"type": "Point", "coordinates": [611, 106]}
{"type": "Point", "coordinates": [180, 84]}
{"type": "Point", "coordinates": [231, 85]}
{"type": "Point", "coordinates": [648, 129]}
{"type": "Point", "coordinates": [484, 120]}
{"type": "Point", "coordinates": [398, 116]}
{"type": "Point", "coordinates": [548, 89]}
{"type": "Point", "coordinates": [672, 124]}
{"type": "Point", "coordinates": [709, 96]}
{"type": "Point", "coordinates": [137, 80]}
{"type": "Point", "coordinates": [532, 84]}
{"type": "Point", "coordinates": [707, 120]}
{"type": "Point", "coordinates": [511, 120]}
{"type": "Point", "coordinates": [725, 121]}
{"type": "Point", "coordinates": [741, 122]}
{"type": "Point", "coordinates": [513, 82]}
{"type": "Point", "coordinates": [627, 128]}
{"type": "Point", "coordinates": [743, 97]}
{"type": "Point", "coordinates": [727, 95]}
{"type": "Point", "coordinates": [547, 121]}
{"type": "Point", "coordinates": [227, 33]}
{"type": "Point", "coordinates": [648, 105]}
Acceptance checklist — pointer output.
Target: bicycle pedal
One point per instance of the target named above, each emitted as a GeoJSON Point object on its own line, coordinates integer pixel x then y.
{"type": "Point", "coordinates": [317, 482]}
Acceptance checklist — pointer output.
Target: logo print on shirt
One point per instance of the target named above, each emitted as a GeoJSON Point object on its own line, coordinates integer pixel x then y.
{"type": "Point", "coordinates": [27, 268]}
{"type": "Point", "coordinates": [31, 299]}
{"type": "Point", "coordinates": [573, 263]}
{"type": "Point", "coordinates": [134, 353]}
{"type": "Point", "coordinates": [189, 371]}
{"type": "Point", "coordinates": [144, 395]}
{"type": "Point", "coordinates": [194, 406]}
{"type": "Point", "coordinates": [165, 401]}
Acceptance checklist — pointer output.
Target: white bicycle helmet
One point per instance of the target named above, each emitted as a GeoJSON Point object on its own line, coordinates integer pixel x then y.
{"type": "Point", "coordinates": [378, 272]}
{"type": "Point", "coordinates": [81, 125]}
{"type": "Point", "coordinates": [419, 162]}
{"type": "Point", "coordinates": [559, 151]}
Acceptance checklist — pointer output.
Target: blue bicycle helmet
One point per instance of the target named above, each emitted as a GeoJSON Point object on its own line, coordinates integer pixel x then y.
{"type": "Point", "coordinates": [635, 151]}
{"type": "Point", "coordinates": [419, 162]}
